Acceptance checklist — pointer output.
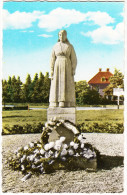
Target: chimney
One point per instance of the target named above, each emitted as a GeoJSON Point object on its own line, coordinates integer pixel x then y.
{"type": "Point", "coordinates": [107, 69]}
{"type": "Point", "coordinates": [99, 69]}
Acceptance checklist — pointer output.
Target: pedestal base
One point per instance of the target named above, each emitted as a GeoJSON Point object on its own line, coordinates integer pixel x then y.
{"type": "Point", "coordinates": [62, 113]}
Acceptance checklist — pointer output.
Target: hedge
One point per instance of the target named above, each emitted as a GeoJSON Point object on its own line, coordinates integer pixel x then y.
{"type": "Point", "coordinates": [101, 127]}
{"type": "Point", "coordinates": [15, 108]}
{"type": "Point", "coordinates": [83, 128]}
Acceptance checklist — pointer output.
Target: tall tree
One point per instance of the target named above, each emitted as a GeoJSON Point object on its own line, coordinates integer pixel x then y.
{"type": "Point", "coordinates": [117, 80]}
{"type": "Point", "coordinates": [84, 95]}
{"type": "Point", "coordinates": [16, 89]}
{"type": "Point", "coordinates": [26, 89]}
{"type": "Point", "coordinates": [4, 92]}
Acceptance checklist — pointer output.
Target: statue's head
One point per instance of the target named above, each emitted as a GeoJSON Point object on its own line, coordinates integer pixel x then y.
{"type": "Point", "coordinates": [62, 36]}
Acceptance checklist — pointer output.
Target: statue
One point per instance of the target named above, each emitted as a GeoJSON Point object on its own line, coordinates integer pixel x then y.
{"type": "Point", "coordinates": [63, 64]}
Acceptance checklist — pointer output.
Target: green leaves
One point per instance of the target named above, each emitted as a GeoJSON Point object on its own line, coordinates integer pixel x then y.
{"type": "Point", "coordinates": [101, 127]}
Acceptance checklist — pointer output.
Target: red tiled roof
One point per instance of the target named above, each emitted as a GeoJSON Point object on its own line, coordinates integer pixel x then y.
{"type": "Point", "coordinates": [98, 78]}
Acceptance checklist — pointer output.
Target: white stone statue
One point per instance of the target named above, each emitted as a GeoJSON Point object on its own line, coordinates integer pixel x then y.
{"type": "Point", "coordinates": [63, 65]}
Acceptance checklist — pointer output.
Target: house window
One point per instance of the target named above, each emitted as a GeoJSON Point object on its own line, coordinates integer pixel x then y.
{"type": "Point", "coordinates": [103, 79]}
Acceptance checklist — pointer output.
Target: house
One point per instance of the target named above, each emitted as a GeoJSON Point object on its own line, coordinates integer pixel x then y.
{"type": "Point", "coordinates": [100, 81]}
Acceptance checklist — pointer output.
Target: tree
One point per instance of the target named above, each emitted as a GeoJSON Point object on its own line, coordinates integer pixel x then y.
{"type": "Point", "coordinates": [26, 89]}
{"type": "Point", "coordinates": [81, 89]}
{"type": "Point", "coordinates": [16, 89]}
{"type": "Point", "coordinates": [84, 95]}
{"type": "Point", "coordinates": [4, 92]}
{"type": "Point", "coordinates": [117, 80]}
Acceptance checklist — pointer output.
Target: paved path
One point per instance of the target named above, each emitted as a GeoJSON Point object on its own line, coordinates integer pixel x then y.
{"type": "Point", "coordinates": [84, 108]}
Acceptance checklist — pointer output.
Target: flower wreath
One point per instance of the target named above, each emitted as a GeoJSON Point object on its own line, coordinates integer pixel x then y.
{"type": "Point", "coordinates": [46, 157]}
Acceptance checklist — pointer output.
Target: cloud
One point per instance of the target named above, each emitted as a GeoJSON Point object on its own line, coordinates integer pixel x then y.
{"type": "Point", "coordinates": [99, 18]}
{"type": "Point", "coordinates": [56, 19]}
{"type": "Point", "coordinates": [19, 20]}
{"type": "Point", "coordinates": [106, 34]}
{"type": "Point", "coordinates": [45, 35]}
{"type": "Point", "coordinates": [59, 18]}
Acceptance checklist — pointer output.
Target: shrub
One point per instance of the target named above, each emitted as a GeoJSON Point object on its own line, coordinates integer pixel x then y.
{"type": "Point", "coordinates": [84, 128]}
{"type": "Point", "coordinates": [101, 127]}
{"type": "Point", "coordinates": [18, 129]}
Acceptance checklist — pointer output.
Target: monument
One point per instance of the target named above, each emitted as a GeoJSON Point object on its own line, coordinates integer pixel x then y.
{"type": "Point", "coordinates": [62, 145]}
{"type": "Point", "coordinates": [62, 91]}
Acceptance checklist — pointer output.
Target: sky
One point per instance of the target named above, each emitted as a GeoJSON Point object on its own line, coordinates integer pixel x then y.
{"type": "Point", "coordinates": [30, 30]}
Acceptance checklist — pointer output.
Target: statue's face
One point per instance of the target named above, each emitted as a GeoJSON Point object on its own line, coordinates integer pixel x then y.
{"type": "Point", "coordinates": [62, 36]}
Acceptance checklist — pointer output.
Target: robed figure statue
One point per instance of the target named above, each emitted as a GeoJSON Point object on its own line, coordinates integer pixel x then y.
{"type": "Point", "coordinates": [63, 64]}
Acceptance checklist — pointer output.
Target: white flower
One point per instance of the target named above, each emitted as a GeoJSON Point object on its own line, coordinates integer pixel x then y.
{"type": "Point", "coordinates": [89, 151]}
{"type": "Point", "coordinates": [42, 170]}
{"type": "Point", "coordinates": [63, 158]}
{"type": "Point", "coordinates": [72, 143]}
{"type": "Point", "coordinates": [36, 151]}
{"type": "Point", "coordinates": [31, 157]}
{"type": "Point", "coordinates": [65, 146]}
{"type": "Point", "coordinates": [23, 158]}
{"type": "Point", "coordinates": [77, 154]}
{"type": "Point", "coordinates": [58, 124]}
{"type": "Point", "coordinates": [18, 155]}
{"type": "Point", "coordinates": [51, 145]}
{"type": "Point", "coordinates": [51, 122]}
{"type": "Point", "coordinates": [42, 151]}
{"type": "Point", "coordinates": [33, 166]}
{"type": "Point", "coordinates": [63, 152]}
{"type": "Point", "coordinates": [57, 147]}
{"type": "Point", "coordinates": [62, 139]}
{"type": "Point", "coordinates": [50, 152]}
{"type": "Point", "coordinates": [46, 147]}
{"type": "Point", "coordinates": [58, 142]}
{"type": "Point", "coordinates": [46, 124]}
{"type": "Point", "coordinates": [71, 152]}
{"type": "Point", "coordinates": [36, 160]}
{"type": "Point", "coordinates": [80, 137]}
{"type": "Point", "coordinates": [75, 146]}
{"type": "Point", "coordinates": [39, 145]}
{"type": "Point", "coordinates": [25, 148]}
{"type": "Point", "coordinates": [31, 145]}
{"type": "Point", "coordinates": [88, 155]}
{"type": "Point", "coordinates": [22, 167]}
{"type": "Point", "coordinates": [56, 154]}
{"type": "Point", "coordinates": [47, 155]}
{"type": "Point", "coordinates": [82, 145]}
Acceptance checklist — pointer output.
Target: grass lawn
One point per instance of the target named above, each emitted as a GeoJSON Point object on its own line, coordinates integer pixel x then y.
{"type": "Point", "coordinates": [101, 116]}
{"type": "Point", "coordinates": [21, 117]}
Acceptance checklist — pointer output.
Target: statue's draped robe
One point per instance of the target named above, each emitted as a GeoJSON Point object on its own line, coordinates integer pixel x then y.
{"type": "Point", "coordinates": [63, 65]}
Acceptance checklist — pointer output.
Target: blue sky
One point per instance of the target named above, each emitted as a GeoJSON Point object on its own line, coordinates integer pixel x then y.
{"type": "Point", "coordinates": [30, 29]}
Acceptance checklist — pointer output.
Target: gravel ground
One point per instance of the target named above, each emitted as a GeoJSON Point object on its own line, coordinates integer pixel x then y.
{"type": "Point", "coordinates": [107, 179]}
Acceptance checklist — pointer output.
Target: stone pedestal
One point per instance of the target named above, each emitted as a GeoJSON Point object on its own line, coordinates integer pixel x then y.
{"type": "Point", "coordinates": [62, 113]}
